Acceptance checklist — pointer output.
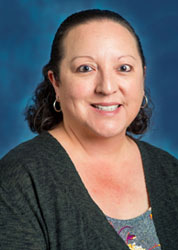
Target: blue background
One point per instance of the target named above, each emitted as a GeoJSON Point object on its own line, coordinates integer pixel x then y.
{"type": "Point", "coordinates": [27, 29]}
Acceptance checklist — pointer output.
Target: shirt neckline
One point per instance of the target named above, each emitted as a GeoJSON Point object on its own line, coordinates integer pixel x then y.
{"type": "Point", "coordinates": [137, 218]}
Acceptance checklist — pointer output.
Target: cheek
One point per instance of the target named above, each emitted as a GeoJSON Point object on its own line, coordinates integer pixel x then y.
{"type": "Point", "coordinates": [137, 88]}
{"type": "Point", "coordinates": [75, 90]}
{"type": "Point", "coordinates": [135, 93]}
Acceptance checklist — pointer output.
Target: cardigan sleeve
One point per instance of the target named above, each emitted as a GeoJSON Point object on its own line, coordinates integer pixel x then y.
{"type": "Point", "coordinates": [17, 231]}
{"type": "Point", "coordinates": [21, 224]}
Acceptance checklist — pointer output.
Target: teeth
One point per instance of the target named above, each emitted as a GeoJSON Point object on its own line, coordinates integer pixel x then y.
{"type": "Point", "coordinates": [107, 108]}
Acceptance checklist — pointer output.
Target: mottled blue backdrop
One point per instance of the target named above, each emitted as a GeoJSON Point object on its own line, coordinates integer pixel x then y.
{"type": "Point", "coordinates": [27, 28]}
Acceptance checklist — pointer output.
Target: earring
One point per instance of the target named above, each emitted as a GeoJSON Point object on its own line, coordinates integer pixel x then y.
{"type": "Point", "coordinates": [54, 106]}
{"type": "Point", "coordinates": [145, 102]}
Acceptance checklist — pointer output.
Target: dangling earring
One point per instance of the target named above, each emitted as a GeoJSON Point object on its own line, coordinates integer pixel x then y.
{"type": "Point", "coordinates": [145, 102]}
{"type": "Point", "coordinates": [54, 106]}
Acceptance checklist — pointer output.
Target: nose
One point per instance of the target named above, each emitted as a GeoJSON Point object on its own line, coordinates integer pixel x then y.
{"type": "Point", "coordinates": [106, 84]}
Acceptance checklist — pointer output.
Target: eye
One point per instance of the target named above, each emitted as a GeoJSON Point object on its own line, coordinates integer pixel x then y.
{"type": "Point", "coordinates": [84, 68]}
{"type": "Point", "coordinates": [125, 68]}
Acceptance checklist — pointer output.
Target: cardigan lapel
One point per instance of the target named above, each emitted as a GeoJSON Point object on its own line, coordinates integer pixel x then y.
{"type": "Point", "coordinates": [162, 186]}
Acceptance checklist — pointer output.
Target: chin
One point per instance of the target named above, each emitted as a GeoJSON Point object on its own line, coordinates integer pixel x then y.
{"type": "Point", "coordinates": [109, 132]}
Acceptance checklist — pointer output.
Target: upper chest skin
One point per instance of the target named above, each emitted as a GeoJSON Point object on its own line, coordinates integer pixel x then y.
{"type": "Point", "coordinates": [119, 189]}
{"type": "Point", "coordinates": [117, 186]}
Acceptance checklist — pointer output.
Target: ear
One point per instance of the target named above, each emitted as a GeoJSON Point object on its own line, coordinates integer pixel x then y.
{"type": "Point", "coordinates": [54, 82]}
{"type": "Point", "coordinates": [144, 71]}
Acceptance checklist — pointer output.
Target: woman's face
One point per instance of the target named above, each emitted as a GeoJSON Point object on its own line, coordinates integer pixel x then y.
{"type": "Point", "coordinates": [101, 79]}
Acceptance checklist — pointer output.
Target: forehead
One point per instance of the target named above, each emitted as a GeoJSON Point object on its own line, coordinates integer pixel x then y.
{"type": "Point", "coordinates": [97, 35]}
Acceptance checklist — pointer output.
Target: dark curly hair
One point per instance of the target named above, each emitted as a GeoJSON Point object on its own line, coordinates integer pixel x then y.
{"type": "Point", "coordinates": [41, 115]}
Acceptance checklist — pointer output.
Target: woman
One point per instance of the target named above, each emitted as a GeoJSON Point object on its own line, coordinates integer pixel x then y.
{"type": "Point", "coordinates": [84, 182]}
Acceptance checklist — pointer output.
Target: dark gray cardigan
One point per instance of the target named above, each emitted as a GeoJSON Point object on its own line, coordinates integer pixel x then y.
{"type": "Point", "coordinates": [44, 204]}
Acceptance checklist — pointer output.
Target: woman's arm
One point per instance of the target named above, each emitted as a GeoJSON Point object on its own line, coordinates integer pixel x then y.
{"type": "Point", "coordinates": [18, 231]}
{"type": "Point", "coordinates": [21, 223]}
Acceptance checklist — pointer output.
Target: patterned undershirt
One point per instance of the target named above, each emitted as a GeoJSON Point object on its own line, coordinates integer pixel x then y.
{"type": "Point", "coordinates": [138, 233]}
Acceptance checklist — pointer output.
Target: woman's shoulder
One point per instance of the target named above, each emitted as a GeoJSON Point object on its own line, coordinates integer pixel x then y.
{"type": "Point", "coordinates": [154, 151]}
{"type": "Point", "coordinates": [158, 159]}
{"type": "Point", "coordinates": [159, 165]}
{"type": "Point", "coordinates": [41, 145]}
{"type": "Point", "coordinates": [32, 149]}
{"type": "Point", "coordinates": [33, 157]}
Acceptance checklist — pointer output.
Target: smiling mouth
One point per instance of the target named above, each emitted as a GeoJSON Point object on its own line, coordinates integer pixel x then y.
{"type": "Point", "coordinates": [106, 108]}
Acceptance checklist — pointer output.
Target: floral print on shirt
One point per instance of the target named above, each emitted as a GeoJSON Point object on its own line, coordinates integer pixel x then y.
{"type": "Point", "coordinates": [130, 237]}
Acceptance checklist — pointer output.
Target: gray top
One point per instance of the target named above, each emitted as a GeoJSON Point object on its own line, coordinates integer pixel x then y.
{"type": "Point", "coordinates": [138, 233]}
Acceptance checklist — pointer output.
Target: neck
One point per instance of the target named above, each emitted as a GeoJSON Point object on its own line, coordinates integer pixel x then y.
{"type": "Point", "coordinates": [93, 146]}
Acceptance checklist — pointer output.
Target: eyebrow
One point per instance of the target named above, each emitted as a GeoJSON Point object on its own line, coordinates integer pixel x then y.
{"type": "Point", "coordinates": [127, 56]}
{"type": "Point", "coordinates": [76, 57]}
